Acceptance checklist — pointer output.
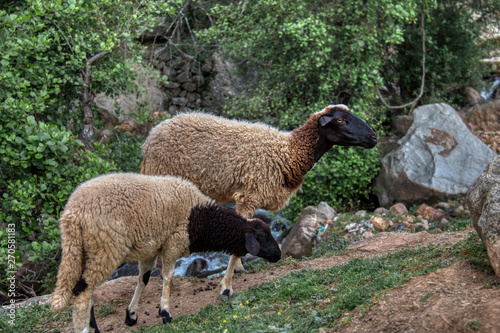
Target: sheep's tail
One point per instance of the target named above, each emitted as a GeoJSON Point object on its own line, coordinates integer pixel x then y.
{"type": "Point", "coordinates": [70, 269]}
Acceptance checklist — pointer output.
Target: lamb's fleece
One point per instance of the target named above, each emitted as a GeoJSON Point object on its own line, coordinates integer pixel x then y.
{"type": "Point", "coordinates": [125, 221]}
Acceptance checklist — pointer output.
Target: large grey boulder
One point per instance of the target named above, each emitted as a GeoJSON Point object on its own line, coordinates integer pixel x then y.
{"type": "Point", "coordinates": [438, 158]}
{"type": "Point", "coordinates": [298, 243]}
{"type": "Point", "coordinates": [484, 205]}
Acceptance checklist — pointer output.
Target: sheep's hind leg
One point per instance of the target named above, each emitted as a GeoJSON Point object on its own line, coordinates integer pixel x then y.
{"type": "Point", "coordinates": [142, 281]}
{"type": "Point", "coordinates": [167, 274]}
{"type": "Point", "coordinates": [83, 313]}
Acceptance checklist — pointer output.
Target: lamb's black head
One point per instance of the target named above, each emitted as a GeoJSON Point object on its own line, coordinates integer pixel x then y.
{"type": "Point", "coordinates": [260, 242]}
{"type": "Point", "coordinates": [339, 126]}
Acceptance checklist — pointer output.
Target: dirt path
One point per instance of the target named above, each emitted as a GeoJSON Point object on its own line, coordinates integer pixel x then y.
{"type": "Point", "coordinates": [449, 300]}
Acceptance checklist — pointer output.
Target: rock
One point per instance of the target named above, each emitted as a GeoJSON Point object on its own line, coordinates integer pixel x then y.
{"type": "Point", "coordinates": [179, 101]}
{"type": "Point", "coordinates": [389, 241]}
{"type": "Point", "coordinates": [226, 82]}
{"type": "Point", "coordinates": [402, 124]}
{"type": "Point", "coordinates": [398, 209]}
{"type": "Point", "coordinates": [172, 85]}
{"type": "Point", "coordinates": [189, 86]}
{"type": "Point", "coordinates": [183, 77]}
{"type": "Point", "coordinates": [361, 214]}
{"type": "Point", "coordinates": [386, 144]}
{"type": "Point", "coordinates": [199, 80]}
{"type": "Point", "coordinates": [123, 107]}
{"type": "Point", "coordinates": [428, 212]}
{"type": "Point", "coordinates": [472, 96]}
{"type": "Point", "coordinates": [298, 243]}
{"type": "Point", "coordinates": [133, 127]}
{"type": "Point", "coordinates": [483, 116]}
{"type": "Point", "coordinates": [170, 73]}
{"type": "Point", "coordinates": [380, 224]}
{"type": "Point", "coordinates": [327, 212]}
{"type": "Point", "coordinates": [438, 158]}
{"type": "Point", "coordinates": [443, 205]}
{"type": "Point", "coordinates": [368, 234]}
{"type": "Point", "coordinates": [196, 267]}
{"type": "Point", "coordinates": [106, 136]}
{"type": "Point", "coordinates": [483, 200]}
{"type": "Point", "coordinates": [381, 211]}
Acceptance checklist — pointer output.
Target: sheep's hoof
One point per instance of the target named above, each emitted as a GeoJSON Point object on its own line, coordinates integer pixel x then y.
{"type": "Point", "coordinates": [166, 317]}
{"type": "Point", "coordinates": [224, 296]}
{"type": "Point", "coordinates": [128, 319]}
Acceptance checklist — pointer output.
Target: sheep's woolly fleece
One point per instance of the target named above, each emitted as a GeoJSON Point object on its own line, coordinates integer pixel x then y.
{"type": "Point", "coordinates": [234, 161]}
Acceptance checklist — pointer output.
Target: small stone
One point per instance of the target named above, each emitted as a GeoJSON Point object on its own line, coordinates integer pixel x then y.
{"type": "Point", "coordinates": [398, 209]}
{"type": "Point", "coordinates": [381, 211]}
{"type": "Point", "coordinates": [380, 224]}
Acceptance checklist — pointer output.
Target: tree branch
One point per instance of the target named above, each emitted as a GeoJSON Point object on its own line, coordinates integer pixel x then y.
{"type": "Point", "coordinates": [414, 102]}
{"type": "Point", "coordinates": [88, 98]}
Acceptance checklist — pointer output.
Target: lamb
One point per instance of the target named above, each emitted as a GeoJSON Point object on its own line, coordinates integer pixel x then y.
{"type": "Point", "coordinates": [254, 165]}
{"type": "Point", "coordinates": [127, 217]}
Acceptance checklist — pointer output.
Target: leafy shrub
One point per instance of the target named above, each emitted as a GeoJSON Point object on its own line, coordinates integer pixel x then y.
{"type": "Point", "coordinates": [342, 178]}
{"type": "Point", "coordinates": [452, 58]}
{"type": "Point", "coordinates": [41, 165]}
{"type": "Point", "coordinates": [126, 152]}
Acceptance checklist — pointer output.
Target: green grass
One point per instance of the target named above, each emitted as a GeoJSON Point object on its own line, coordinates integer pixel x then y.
{"type": "Point", "coordinates": [300, 301]}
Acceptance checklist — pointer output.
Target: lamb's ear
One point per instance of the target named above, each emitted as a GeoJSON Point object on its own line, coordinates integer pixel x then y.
{"type": "Point", "coordinates": [325, 120]}
{"type": "Point", "coordinates": [251, 244]}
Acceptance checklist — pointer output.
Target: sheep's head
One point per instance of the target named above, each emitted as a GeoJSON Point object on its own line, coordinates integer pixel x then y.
{"type": "Point", "coordinates": [260, 242]}
{"type": "Point", "coordinates": [339, 126]}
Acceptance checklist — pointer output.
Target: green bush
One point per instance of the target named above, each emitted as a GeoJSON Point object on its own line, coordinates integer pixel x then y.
{"type": "Point", "coordinates": [126, 152]}
{"type": "Point", "coordinates": [41, 165]}
{"type": "Point", "coordinates": [342, 178]}
{"type": "Point", "coordinates": [452, 59]}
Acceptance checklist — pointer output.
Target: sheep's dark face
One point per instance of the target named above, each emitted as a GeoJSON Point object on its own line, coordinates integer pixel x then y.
{"type": "Point", "coordinates": [260, 242]}
{"type": "Point", "coordinates": [341, 127]}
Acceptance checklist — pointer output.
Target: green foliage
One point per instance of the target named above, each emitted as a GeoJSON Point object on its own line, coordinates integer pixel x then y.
{"type": "Point", "coordinates": [126, 152]}
{"type": "Point", "coordinates": [45, 47]}
{"type": "Point", "coordinates": [309, 54]}
{"type": "Point", "coordinates": [342, 178]}
{"type": "Point", "coordinates": [453, 59]}
{"type": "Point", "coordinates": [41, 165]}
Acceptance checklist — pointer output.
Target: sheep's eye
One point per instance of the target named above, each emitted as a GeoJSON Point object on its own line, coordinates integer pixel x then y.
{"type": "Point", "coordinates": [339, 121]}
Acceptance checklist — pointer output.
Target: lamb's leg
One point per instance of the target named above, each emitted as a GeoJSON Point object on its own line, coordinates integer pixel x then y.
{"type": "Point", "coordinates": [83, 315]}
{"type": "Point", "coordinates": [168, 268]}
{"type": "Point", "coordinates": [98, 268]}
{"type": "Point", "coordinates": [142, 281]}
{"type": "Point", "coordinates": [226, 283]}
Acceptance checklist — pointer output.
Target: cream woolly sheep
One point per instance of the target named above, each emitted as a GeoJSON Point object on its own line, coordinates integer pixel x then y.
{"type": "Point", "coordinates": [121, 218]}
{"type": "Point", "coordinates": [254, 165]}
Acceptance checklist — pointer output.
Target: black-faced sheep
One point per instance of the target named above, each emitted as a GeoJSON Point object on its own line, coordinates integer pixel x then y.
{"type": "Point", "coordinates": [121, 218]}
{"type": "Point", "coordinates": [254, 165]}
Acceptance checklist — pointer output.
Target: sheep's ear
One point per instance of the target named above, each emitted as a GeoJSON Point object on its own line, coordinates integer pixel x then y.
{"type": "Point", "coordinates": [251, 244]}
{"type": "Point", "coordinates": [325, 120]}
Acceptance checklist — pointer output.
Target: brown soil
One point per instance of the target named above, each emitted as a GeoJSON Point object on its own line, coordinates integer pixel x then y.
{"type": "Point", "coordinates": [452, 299]}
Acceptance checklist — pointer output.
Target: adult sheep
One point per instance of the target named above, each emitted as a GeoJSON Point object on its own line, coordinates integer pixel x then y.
{"type": "Point", "coordinates": [254, 165]}
{"type": "Point", "coordinates": [121, 218]}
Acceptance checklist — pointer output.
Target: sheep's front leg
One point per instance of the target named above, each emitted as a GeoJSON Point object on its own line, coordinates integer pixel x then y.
{"type": "Point", "coordinates": [246, 209]}
{"type": "Point", "coordinates": [226, 284]}
{"type": "Point", "coordinates": [142, 281]}
{"type": "Point", "coordinates": [167, 273]}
